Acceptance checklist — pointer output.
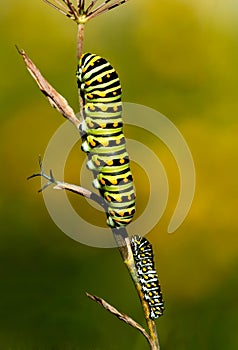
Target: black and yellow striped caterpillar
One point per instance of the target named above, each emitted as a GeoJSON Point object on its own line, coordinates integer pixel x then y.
{"type": "Point", "coordinates": [143, 257]}
{"type": "Point", "coordinates": [103, 139]}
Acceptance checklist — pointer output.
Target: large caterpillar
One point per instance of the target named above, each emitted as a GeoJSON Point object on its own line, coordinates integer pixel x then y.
{"type": "Point", "coordinates": [143, 257]}
{"type": "Point", "coordinates": [103, 139]}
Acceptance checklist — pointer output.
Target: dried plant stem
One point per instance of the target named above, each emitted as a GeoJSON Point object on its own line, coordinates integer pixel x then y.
{"type": "Point", "coordinates": [80, 38]}
{"type": "Point", "coordinates": [123, 317]}
{"type": "Point", "coordinates": [56, 100]}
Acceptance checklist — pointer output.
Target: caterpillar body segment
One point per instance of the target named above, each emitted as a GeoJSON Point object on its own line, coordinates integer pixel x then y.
{"type": "Point", "coordinates": [103, 139]}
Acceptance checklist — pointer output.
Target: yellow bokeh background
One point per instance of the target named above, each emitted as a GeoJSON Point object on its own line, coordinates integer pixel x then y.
{"type": "Point", "coordinates": [180, 58]}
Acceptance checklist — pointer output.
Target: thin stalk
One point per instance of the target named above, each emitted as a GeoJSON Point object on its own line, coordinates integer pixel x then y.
{"type": "Point", "coordinates": [59, 6]}
{"type": "Point", "coordinates": [82, 5]}
{"type": "Point", "coordinates": [80, 39]}
{"type": "Point", "coordinates": [121, 316]}
{"type": "Point", "coordinates": [91, 6]}
{"type": "Point", "coordinates": [104, 7]}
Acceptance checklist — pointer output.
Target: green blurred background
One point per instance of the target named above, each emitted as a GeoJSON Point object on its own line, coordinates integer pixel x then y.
{"type": "Point", "coordinates": [179, 57]}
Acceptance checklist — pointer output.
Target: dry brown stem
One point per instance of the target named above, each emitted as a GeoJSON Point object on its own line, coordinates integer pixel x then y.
{"type": "Point", "coordinates": [56, 100]}
{"type": "Point", "coordinates": [123, 317]}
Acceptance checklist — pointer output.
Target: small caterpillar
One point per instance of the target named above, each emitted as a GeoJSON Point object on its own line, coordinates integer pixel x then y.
{"type": "Point", "coordinates": [143, 257]}
{"type": "Point", "coordinates": [103, 139]}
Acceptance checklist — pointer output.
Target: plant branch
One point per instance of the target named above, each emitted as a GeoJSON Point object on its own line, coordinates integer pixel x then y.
{"type": "Point", "coordinates": [123, 317]}
{"type": "Point", "coordinates": [57, 7]}
{"type": "Point", "coordinates": [66, 186]}
{"type": "Point", "coordinates": [56, 100]}
{"type": "Point", "coordinates": [104, 7]}
{"type": "Point", "coordinates": [80, 38]}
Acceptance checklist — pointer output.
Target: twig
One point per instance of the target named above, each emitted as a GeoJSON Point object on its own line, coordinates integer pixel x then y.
{"type": "Point", "coordinates": [66, 186]}
{"type": "Point", "coordinates": [80, 38]}
{"type": "Point", "coordinates": [56, 100]}
{"type": "Point", "coordinates": [57, 7]}
{"type": "Point", "coordinates": [104, 7]}
{"type": "Point", "coordinates": [123, 317]}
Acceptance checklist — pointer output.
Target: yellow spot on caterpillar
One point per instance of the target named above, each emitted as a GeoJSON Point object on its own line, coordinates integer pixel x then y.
{"type": "Point", "coordinates": [90, 124]}
{"type": "Point", "coordinates": [91, 106]}
{"type": "Point", "coordinates": [84, 70]}
{"type": "Point", "coordinates": [103, 125]}
{"type": "Point", "coordinates": [104, 108]}
{"type": "Point", "coordinates": [92, 64]}
{"type": "Point", "coordinates": [114, 93]}
{"type": "Point", "coordinates": [108, 75]}
{"type": "Point", "coordinates": [115, 125]}
{"type": "Point", "coordinates": [97, 162]}
{"type": "Point", "coordinates": [115, 108]}
{"type": "Point", "coordinates": [112, 213]}
{"type": "Point", "coordinates": [129, 197]}
{"type": "Point", "coordinates": [92, 143]}
{"type": "Point", "coordinates": [102, 181]}
{"type": "Point", "coordinates": [108, 198]}
{"type": "Point", "coordinates": [121, 213]}
{"type": "Point", "coordinates": [110, 162]}
{"type": "Point", "coordinates": [122, 160]}
{"type": "Point", "coordinates": [99, 80]}
{"type": "Point", "coordinates": [88, 82]}
{"type": "Point", "coordinates": [125, 180]}
{"type": "Point", "coordinates": [118, 141]}
{"type": "Point", "coordinates": [90, 95]}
